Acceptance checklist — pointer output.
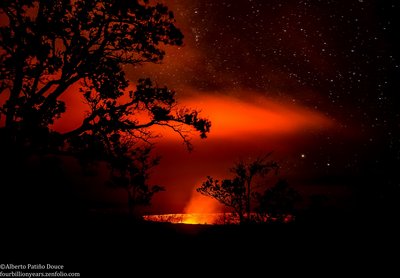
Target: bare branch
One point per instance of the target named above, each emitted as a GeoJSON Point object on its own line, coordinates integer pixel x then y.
{"type": "Point", "coordinates": [184, 137]}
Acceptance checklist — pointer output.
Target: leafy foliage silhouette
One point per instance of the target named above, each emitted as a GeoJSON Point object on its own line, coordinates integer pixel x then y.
{"type": "Point", "coordinates": [237, 192]}
{"type": "Point", "coordinates": [48, 46]}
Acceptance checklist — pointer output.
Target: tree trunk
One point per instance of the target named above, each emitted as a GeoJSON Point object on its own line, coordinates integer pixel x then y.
{"type": "Point", "coordinates": [248, 207]}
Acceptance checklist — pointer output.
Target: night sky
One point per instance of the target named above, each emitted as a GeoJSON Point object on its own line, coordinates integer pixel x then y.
{"type": "Point", "coordinates": [315, 82]}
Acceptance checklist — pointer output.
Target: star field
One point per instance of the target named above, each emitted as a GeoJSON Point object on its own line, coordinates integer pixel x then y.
{"type": "Point", "coordinates": [338, 58]}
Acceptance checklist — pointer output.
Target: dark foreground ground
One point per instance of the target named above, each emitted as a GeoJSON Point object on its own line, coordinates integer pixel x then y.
{"type": "Point", "coordinates": [116, 246]}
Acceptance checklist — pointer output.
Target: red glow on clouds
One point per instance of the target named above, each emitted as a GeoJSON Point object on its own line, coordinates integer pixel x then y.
{"type": "Point", "coordinates": [237, 118]}
{"type": "Point", "coordinates": [230, 116]}
{"type": "Point", "coordinates": [240, 129]}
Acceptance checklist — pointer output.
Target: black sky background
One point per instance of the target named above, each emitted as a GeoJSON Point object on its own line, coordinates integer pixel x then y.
{"type": "Point", "coordinates": [344, 51]}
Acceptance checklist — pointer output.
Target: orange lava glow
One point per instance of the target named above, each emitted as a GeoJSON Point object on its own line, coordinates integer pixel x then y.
{"type": "Point", "coordinates": [211, 218]}
{"type": "Point", "coordinates": [200, 210]}
{"type": "Point", "coordinates": [191, 218]}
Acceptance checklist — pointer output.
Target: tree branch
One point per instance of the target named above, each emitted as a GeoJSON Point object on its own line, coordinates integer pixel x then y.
{"type": "Point", "coordinates": [62, 87]}
{"type": "Point", "coordinates": [185, 139]}
{"type": "Point", "coordinates": [46, 87]}
{"type": "Point", "coordinates": [39, 69]}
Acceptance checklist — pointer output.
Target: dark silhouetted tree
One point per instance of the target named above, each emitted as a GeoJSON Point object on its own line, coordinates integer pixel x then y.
{"type": "Point", "coordinates": [131, 171]}
{"type": "Point", "coordinates": [278, 201]}
{"type": "Point", "coordinates": [48, 46]}
{"type": "Point", "coordinates": [238, 191]}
